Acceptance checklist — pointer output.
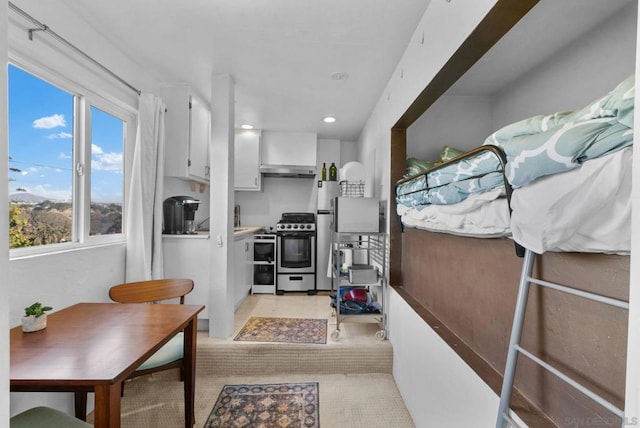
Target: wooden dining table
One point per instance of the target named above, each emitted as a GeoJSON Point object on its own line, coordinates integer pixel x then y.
{"type": "Point", "coordinates": [94, 347]}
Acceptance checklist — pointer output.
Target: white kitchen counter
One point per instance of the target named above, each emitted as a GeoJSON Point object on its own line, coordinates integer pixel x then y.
{"type": "Point", "coordinates": [239, 233]}
{"type": "Point", "coordinates": [197, 235]}
{"type": "Point", "coordinates": [244, 231]}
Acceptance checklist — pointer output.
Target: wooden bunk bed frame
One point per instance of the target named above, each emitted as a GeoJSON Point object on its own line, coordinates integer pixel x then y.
{"type": "Point", "coordinates": [473, 313]}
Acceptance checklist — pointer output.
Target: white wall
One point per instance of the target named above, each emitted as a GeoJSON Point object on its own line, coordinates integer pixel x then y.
{"type": "Point", "coordinates": [445, 25]}
{"type": "Point", "coordinates": [457, 121]}
{"type": "Point", "coordinates": [580, 73]}
{"type": "Point", "coordinates": [278, 195]}
{"type": "Point", "coordinates": [221, 195]}
{"type": "Point", "coordinates": [62, 19]}
{"type": "Point", "coordinates": [61, 279]}
{"type": "Point", "coordinates": [445, 392]}
{"type": "Point", "coordinates": [348, 152]}
{"type": "Point", "coordinates": [4, 226]}
{"type": "Point", "coordinates": [328, 151]}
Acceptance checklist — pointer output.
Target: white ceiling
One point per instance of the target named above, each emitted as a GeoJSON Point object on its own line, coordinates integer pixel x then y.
{"type": "Point", "coordinates": [280, 53]}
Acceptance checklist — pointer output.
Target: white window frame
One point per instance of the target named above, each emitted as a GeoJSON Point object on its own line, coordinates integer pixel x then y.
{"type": "Point", "coordinates": [81, 192]}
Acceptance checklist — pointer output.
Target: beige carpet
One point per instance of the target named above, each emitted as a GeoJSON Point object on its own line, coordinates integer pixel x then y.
{"type": "Point", "coordinates": [353, 372]}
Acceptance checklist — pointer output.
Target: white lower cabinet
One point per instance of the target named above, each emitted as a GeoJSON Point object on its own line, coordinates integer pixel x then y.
{"type": "Point", "coordinates": [189, 258]}
{"type": "Point", "coordinates": [242, 262]}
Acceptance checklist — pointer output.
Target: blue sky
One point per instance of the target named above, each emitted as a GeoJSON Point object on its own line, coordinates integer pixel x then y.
{"type": "Point", "coordinates": [41, 142]}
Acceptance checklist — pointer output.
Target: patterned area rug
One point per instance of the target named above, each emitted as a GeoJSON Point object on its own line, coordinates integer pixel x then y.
{"type": "Point", "coordinates": [289, 330]}
{"type": "Point", "coordinates": [280, 405]}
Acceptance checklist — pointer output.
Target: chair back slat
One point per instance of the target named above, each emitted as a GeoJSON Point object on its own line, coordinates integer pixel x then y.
{"type": "Point", "coordinates": [151, 291]}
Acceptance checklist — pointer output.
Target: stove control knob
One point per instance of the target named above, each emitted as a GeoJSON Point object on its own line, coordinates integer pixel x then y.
{"type": "Point", "coordinates": [295, 226]}
{"type": "Point", "coordinates": [288, 226]}
{"type": "Point", "coordinates": [308, 226]}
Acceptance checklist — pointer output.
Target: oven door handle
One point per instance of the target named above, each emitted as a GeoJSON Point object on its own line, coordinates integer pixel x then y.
{"type": "Point", "coordinates": [297, 234]}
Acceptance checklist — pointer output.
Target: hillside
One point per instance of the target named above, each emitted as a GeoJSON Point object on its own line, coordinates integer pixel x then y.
{"type": "Point", "coordinates": [39, 222]}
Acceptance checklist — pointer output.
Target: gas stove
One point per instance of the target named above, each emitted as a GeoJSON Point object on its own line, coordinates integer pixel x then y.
{"type": "Point", "coordinates": [296, 243]}
{"type": "Point", "coordinates": [305, 222]}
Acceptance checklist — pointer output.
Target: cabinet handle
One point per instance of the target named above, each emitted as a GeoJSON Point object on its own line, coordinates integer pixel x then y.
{"type": "Point", "coordinates": [207, 170]}
{"type": "Point", "coordinates": [246, 247]}
{"type": "Point", "coordinates": [255, 181]}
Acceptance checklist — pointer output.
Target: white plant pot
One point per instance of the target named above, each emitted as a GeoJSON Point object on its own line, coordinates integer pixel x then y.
{"type": "Point", "coordinates": [31, 323]}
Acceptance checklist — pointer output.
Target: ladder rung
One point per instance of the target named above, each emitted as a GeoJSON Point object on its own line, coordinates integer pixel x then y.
{"type": "Point", "coordinates": [516, 334]}
{"type": "Point", "coordinates": [581, 293]}
{"type": "Point", "coordinates": [595, 397]}
{"type": "Point", "coordinates": [510, 421]}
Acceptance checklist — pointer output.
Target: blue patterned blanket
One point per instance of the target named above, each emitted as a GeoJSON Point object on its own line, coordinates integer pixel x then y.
{"type": "Point", "coordinates": [535, 147]}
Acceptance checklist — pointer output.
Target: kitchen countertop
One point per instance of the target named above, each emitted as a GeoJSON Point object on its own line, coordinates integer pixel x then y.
{"type": "Point", "coordinates": [238, 233]}
{"type": "Point", "coordinates": [241, 232]}
{"type": "Point", "coordinates": [203, 234]}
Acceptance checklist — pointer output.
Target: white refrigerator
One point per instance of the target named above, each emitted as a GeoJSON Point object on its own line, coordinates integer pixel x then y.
{"type": "Point", "coordinates": [327, 190]}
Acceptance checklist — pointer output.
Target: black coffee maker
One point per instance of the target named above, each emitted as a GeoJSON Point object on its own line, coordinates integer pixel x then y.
{"type": "Point", "coordinates": [179, 214]}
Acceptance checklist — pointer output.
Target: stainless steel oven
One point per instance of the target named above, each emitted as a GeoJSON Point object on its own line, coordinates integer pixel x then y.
{"type": "Point", "coordinates": [296, 269]}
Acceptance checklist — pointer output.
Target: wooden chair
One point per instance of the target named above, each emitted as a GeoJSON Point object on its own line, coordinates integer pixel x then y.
{"type": "Point", "coordinates": [153, 291]}
{"type": "Point", "coordinates": [45, 417]}
{"type": "Point", "coordinates": [170, 356]}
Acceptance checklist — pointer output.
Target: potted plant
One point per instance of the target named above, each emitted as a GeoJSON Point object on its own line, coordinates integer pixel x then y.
{"type": "Point", "coordinates": [35, 318]}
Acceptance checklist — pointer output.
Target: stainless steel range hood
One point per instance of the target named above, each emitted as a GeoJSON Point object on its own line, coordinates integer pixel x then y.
{"type": "Point", "coordinates": [290, 171]}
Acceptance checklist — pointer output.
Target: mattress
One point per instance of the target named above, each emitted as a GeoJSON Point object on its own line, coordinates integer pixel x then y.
{"type": "Point", "coordinates": [587, 209]}
{"type": "Point", "coordinates": [483, 215]}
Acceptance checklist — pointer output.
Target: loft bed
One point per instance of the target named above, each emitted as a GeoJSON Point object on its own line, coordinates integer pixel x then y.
{"type": "Point", "coordinates": [564, 178]}
{"type": "Point", "coordinates": [557, 185]}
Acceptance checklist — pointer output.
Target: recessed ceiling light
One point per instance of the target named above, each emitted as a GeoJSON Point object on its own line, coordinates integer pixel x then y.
{"type": "Point", "coordinates": [246, 126]}
{"type": "Point", "coordinates": [340, 75]}
{"type": "Point", "coordinates": [329, 119]}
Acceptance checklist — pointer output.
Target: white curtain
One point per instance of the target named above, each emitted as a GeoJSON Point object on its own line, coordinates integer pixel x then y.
{"type": "Point", "coordinates": [144, 200]}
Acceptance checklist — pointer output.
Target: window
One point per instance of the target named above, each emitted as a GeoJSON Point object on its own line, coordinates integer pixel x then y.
{"type": "Point", "coordinates": [66, 164]}
{"type": "Point", "coordinates": [107, 138]}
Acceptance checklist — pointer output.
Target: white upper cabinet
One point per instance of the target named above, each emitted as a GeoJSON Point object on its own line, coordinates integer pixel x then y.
{"type": "Point", "coordinates": [289, 148]}
{"type": "Point", "coordinates": [247, 160]}
{"type": "Point", "coordinates": [187, 134]}
{"type": "Point", "coordinates": [199, 137]}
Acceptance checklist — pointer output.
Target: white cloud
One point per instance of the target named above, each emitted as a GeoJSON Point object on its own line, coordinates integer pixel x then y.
{"type": "Point", "coordinates": [96, 149]}
{"type": "Point", "coordinates": [59, 135]}
{"type": "Point", "coordinates": [64, 156]}
{"type": "Point", "coordinates": [46, 190]}
{"type": "Point", "coordinates": [49, 122]}
{"type": "Point", "coordinates": [107, 161]}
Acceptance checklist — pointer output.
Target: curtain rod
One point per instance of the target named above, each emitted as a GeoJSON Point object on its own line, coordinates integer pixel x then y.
{"type": "Point", "coordinates": [56, 36]}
